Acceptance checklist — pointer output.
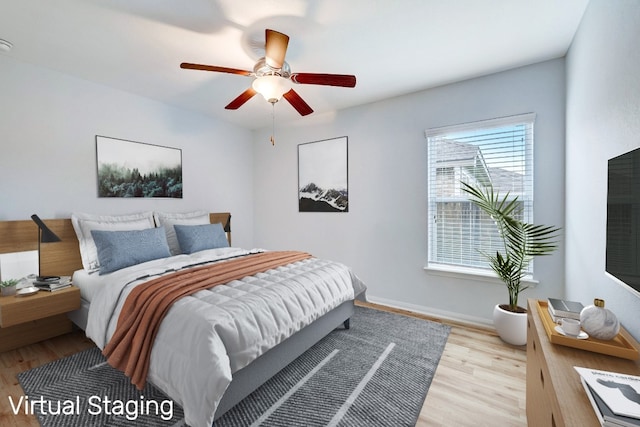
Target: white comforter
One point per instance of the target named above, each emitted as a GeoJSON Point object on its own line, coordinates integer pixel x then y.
{"type": "Point", "coordinates": [206, 337]}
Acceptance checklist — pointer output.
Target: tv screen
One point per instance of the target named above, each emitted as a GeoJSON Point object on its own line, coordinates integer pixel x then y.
{"type": "Point", "coordinates": [623, 218]}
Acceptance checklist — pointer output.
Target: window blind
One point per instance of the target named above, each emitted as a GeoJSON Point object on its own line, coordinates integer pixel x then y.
{"type": "Point", "coordinates": [497, 152]}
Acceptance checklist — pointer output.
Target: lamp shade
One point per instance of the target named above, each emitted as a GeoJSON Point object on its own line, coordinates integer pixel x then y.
{"type": "Point", "coordinates": [47, 236]}
{"type": "Point", "coordinates": [271, 87]}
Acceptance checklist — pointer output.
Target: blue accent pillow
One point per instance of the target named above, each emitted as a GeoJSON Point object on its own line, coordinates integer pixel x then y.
{"type": "Point", "coordinates": [120, 249]}
{"type": "Point", "coordinates": [195, 238]}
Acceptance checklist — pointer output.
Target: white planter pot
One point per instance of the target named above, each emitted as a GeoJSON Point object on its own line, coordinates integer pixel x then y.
{"type": "Point", "coordinates": [512, 327]}
{"type": "Point", "coordinates": [8, 291]}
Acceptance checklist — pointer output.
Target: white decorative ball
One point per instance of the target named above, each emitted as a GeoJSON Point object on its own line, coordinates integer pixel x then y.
{"type": "Point", "coordinates": [599, 322]}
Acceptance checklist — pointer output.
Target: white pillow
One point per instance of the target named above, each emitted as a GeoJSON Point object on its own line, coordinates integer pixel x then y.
{"type": "Point", "coordinates": [169, 219]}
{"type": "Point", "coordinates": [83, 223]}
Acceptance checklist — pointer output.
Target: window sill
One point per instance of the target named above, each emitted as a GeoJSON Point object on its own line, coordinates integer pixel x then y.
{"type": "Point", "coordinates": [473, 274]}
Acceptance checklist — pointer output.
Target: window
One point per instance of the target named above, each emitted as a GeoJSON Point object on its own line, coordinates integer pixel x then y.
{"type": "Point", "coordinates": [496, 152]}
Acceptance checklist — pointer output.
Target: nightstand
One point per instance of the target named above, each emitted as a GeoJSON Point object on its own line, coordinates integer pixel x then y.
{"type": "Point", "coordinates": [29, 319]}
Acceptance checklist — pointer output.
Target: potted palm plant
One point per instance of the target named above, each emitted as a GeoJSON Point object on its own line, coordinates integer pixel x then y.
{"type": "Point", "coordinates": [521, 242]}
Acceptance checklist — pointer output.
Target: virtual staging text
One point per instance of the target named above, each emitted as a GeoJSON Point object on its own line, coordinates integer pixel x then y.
{"type": "Point", "coordinates": [94, 405]}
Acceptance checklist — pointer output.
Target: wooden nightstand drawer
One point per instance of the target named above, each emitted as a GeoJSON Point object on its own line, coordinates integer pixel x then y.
{"type": "Point", "coordinates": [25, 320]}
{"type": "Point", "coordinates": [34, 331]}
{"type": "Point", "coordinates": [17, 310]}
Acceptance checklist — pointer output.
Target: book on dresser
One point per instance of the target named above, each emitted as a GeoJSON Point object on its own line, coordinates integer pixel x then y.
{"type": "Point", "coordinates": [562, 308]}
{"type": "Point", "coordinates": [605, 415]}
{"type": "Point", "coordinates": [53, 284]}
{"type": "Point", "coordinates": [615, 396]}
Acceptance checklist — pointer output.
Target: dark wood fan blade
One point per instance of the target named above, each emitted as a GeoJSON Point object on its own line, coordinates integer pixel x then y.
{"type": "Point", "coordinates": [241, 99]}
{"type": "Point", "coordinates": [297, 103]}
{"type": "Point", "coordinates": [275, 48]}
{"type": "Point", "coordinates": [189, 66]}
{"type": "Point", "coordinates": [343, 80]}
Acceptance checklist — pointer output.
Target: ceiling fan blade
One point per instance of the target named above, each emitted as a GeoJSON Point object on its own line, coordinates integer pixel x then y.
{"type": "Point", "coordinates": [241, 99]}
{"type": "Point", "coordinates": [189, 66]}
{"type": "Point", "coordinates": [343, 80]}
{"type": "Point", "coordinates": [275, 48]}
{"type": "Point", "coordinates": [297, 103]}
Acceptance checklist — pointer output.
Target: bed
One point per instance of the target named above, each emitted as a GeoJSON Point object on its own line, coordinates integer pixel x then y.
{"type": "Point", "coordinates": [248, 366]}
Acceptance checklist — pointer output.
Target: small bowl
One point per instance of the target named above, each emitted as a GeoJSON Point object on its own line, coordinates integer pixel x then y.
{"type": "Point", "coordinates": [30, 290]}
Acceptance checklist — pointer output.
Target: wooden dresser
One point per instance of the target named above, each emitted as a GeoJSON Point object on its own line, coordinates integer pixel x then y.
{"type": "Point", "coordinates": [555, 396]}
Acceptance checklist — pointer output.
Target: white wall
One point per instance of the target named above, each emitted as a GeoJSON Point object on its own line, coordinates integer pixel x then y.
{"type": "Point", "coordinates": [603, 121]}
{"type": "Point", "coordinates": [48, 123]}
{"type": "Point", "coordinates": [383, 236]}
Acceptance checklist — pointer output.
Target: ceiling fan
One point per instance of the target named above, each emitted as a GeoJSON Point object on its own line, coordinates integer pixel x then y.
{"type": "Point", "coordinates": [273, 76]}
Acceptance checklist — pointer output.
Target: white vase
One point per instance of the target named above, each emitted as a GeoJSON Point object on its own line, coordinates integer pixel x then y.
{"type": "Point", "coordinates": [599, 322]}
{"type": "Point", "coordinates": [512, 327]}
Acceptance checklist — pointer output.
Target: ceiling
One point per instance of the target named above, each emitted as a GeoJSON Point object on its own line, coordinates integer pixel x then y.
{"type": "Point", "coordinates": [394, 47]}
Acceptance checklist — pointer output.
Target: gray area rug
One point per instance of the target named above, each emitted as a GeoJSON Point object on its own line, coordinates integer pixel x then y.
{"type": "Point", "coordinates": [375, 374]}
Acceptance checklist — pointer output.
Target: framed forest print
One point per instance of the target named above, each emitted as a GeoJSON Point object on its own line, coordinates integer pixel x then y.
{"type": "Point", "coordinates": [136, 169]}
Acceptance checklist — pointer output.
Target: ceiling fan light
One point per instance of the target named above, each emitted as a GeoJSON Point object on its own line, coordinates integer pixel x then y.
{"type": "Point", "coordinates": [271, 87]}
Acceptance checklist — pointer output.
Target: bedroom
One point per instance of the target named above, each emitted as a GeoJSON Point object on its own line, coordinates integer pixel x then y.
{"type": "Point", "coordinates": [50, 119]}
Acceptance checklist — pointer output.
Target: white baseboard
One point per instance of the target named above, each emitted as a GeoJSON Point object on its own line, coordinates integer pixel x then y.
{"type": "Point", "coordinates": [434, 312]}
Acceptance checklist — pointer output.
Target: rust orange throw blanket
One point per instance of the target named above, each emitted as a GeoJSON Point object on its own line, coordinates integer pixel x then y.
{"type": "Point", "coordinates": [129, 349]}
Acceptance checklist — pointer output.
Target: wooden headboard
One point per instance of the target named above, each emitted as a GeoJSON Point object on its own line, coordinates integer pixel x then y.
{"type": "Point", "coordinates": [62, 258]}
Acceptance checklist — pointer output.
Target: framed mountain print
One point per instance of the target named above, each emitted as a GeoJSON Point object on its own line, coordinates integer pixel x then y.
{"type": "Point", "coordinates": [323, 184]}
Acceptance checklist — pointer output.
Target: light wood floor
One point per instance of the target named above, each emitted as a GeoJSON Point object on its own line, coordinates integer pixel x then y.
{"type": "Point", "coordinates": [28, 357]}
{"type": "Point", "coordinates": [480, 381]}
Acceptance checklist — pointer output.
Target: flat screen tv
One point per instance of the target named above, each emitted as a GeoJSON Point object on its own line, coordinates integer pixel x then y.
{"type": "Point", "coordinates": [623, 218]}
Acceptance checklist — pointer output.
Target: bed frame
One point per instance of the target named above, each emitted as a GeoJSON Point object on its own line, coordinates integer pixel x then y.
{"type": "Point", "coordinates": [63, 258]}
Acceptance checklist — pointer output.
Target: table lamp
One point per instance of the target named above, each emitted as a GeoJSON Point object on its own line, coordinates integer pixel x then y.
{"type": "Point", "coordinates": [45, 235]}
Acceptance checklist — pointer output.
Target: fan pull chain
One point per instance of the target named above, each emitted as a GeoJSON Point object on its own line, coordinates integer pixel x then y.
{"type": "Point", "coordinates": [273, 124]}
